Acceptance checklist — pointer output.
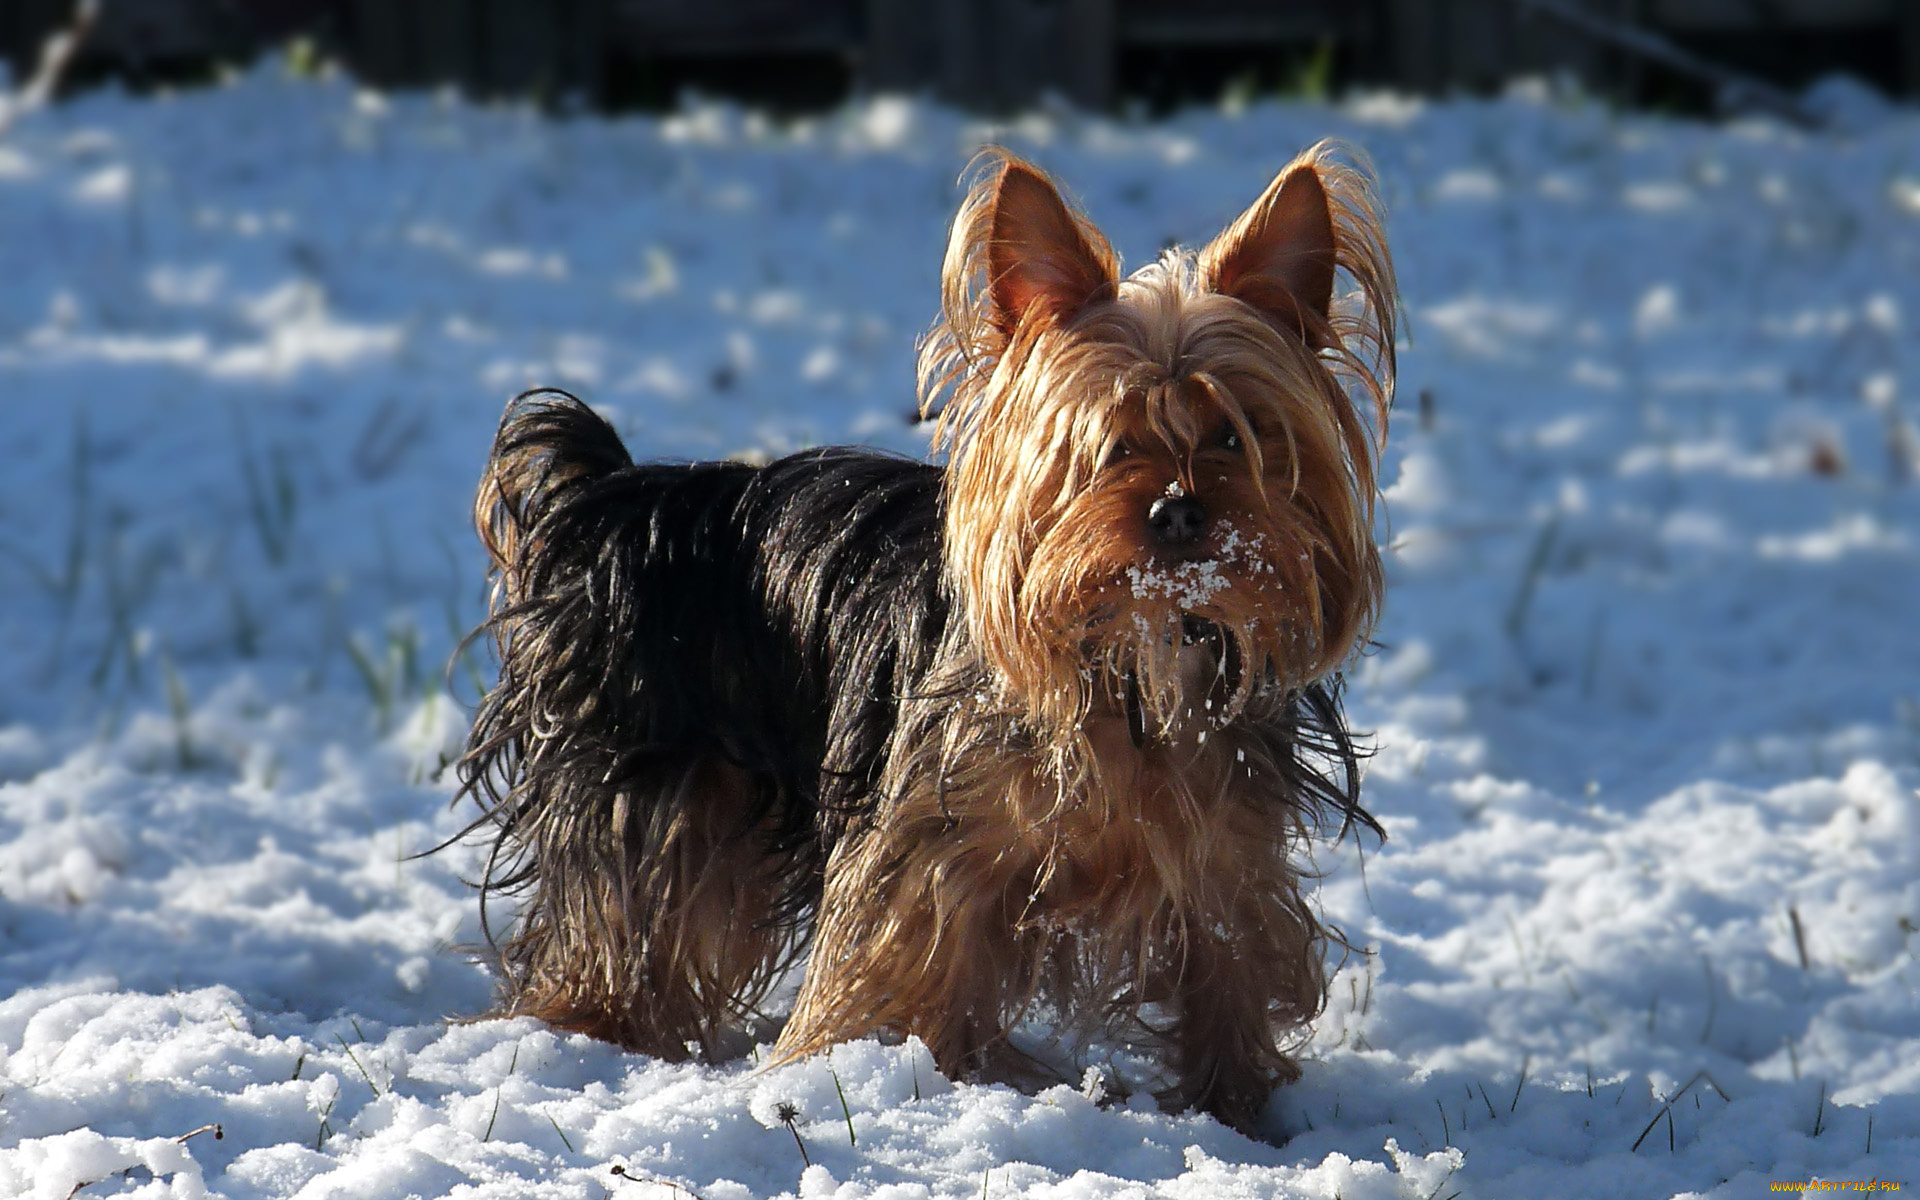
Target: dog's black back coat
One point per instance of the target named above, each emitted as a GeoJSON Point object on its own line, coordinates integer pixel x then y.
{"type": "Point", "coordinates": [667, 612]}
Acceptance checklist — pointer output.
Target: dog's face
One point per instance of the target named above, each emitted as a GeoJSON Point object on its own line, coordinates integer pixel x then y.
{"type": "Point", "coordinates": [1161, 491]}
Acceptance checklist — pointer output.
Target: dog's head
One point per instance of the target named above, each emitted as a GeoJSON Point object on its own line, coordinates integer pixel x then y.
{"type": "Point", "coordinates": [1161, 485]}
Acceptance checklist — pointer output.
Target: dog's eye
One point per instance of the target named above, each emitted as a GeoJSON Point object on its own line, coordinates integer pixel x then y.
{"type": "Point", "coordinates": [1120, 452]}
{"type": "Point", "coordinates": [1230, 440]}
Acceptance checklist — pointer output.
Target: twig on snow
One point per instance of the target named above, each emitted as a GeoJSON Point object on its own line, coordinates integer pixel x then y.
{"type": "Point", "coordinates": [636, 1177]}
{"type": "Point", "coordinates": [213, 1128]}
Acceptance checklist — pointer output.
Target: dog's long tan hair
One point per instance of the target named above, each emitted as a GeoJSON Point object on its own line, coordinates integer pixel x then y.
{"type": "Point", "coordinates": [1045, 361]}
{"type": "Point", "coordinates": [1097, 797]}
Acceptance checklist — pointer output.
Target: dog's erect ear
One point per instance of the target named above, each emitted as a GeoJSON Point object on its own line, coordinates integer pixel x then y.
{"type": "Point", "coordinates": [1279, 255]}
{"type": "Point", "coordinates": [1039, 254]}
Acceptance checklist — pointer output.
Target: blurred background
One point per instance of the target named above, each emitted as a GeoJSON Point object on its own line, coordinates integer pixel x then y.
{"type": "Point", "coordinates": [1678, 55]}
{"type": "Point", "coordinates": [1645, 697]}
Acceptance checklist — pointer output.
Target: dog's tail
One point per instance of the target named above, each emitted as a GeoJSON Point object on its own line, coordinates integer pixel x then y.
{"type": "Point", "coordinates": [550, 446]}
{"type": "Point", "coordinates": [530, 755]}
{"type": "Point", "coordinates": [541, 749]}
{"type": "Point", "coordinates": [655, 845]}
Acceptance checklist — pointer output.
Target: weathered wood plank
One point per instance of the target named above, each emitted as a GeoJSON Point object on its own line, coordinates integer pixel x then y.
{"type": "Point", "coordinates": [582, 47]}
{"type": "Point", "coordinates": [1091, 52]}
{"type": "Point", "coordinates": [1230, 22]}
{"type": "Point", "coordinates": [902, 50]}
{"type": "Point", "coordinates": [517, 47]}
{"type": "Point", "coordinates": [694, 27]}
{"type": "Point", "coordinates": [1415, 49]}
{"type": "Point", "coordinates": [1910, 47]}
{"type": "Point", "coordinates": [379, 42]}
{"type": "Point", "coordinates": [447, 41]}
{"type": "Point", "coordinates": [1745, 16]}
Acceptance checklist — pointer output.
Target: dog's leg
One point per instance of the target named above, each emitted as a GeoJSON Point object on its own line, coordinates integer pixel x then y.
{"type": "Point", "coordinates": [652, 925]}
{"type": "Point", "coordinates": [1223, 1050]}
{"type": "Point", "coordinates": [919, 934]}
{"type": "Point", "coordinates": [1232, 996]}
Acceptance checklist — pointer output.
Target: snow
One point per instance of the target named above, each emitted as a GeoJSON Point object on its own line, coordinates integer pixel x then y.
{"type": "Point", "coordinates": [1646, 703]}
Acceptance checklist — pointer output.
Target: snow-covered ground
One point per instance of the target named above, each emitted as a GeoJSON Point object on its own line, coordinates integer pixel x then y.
{"type": "Point", "coordinates": [1647, 703]}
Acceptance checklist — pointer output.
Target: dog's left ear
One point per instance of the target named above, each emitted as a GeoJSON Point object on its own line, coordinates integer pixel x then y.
{"type": "Point", "coordinates": [1279, 256]}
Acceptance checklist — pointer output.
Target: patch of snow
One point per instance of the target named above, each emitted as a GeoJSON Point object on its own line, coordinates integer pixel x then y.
{"type": "Point", "coordinates": [1644, 707]}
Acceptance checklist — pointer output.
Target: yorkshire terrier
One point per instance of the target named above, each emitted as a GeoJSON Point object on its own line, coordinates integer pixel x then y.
{"type": "Point", "coordinates": [1044, 731]}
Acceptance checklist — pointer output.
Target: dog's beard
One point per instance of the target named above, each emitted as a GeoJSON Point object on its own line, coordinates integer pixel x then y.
{"type": "Point", "coordinates": [1174, 676]}
{"type": "Point", "coordinates": [1176, 680]}
{"type": "Point", "coordinates": [1177, 642]}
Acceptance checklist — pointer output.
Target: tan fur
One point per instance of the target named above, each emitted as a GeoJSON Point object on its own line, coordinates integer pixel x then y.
{"type": "Point", "coordinates": [1155, 876]}
{"type": "Point", "coordinates": [1028, 844]}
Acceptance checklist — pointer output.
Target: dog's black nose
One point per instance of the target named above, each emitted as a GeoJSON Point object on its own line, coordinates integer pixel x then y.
{"type": "Point", "coordinates": [1177, 520]}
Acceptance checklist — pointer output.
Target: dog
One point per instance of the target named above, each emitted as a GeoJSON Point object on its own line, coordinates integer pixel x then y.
{"type": "Point", "coordinates": [1042, 731]}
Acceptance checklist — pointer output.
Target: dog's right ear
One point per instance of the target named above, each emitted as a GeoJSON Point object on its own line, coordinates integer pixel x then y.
{"type": "Point", "coordinates": [1043, 260]}
{"type": "Point", "coordinates": [1019, 261]}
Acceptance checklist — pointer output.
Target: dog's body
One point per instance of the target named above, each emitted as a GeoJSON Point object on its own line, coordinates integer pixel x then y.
{"type": "Point", "coordinates": [1045, 726]}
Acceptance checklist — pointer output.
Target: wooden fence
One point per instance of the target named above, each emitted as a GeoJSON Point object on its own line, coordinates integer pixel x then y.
{"type": "Point", "coordinates": [992, 53]}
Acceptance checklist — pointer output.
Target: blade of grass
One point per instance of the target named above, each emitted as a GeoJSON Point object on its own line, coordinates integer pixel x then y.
{"type": "Point", "coordinates": [1536, 563]}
